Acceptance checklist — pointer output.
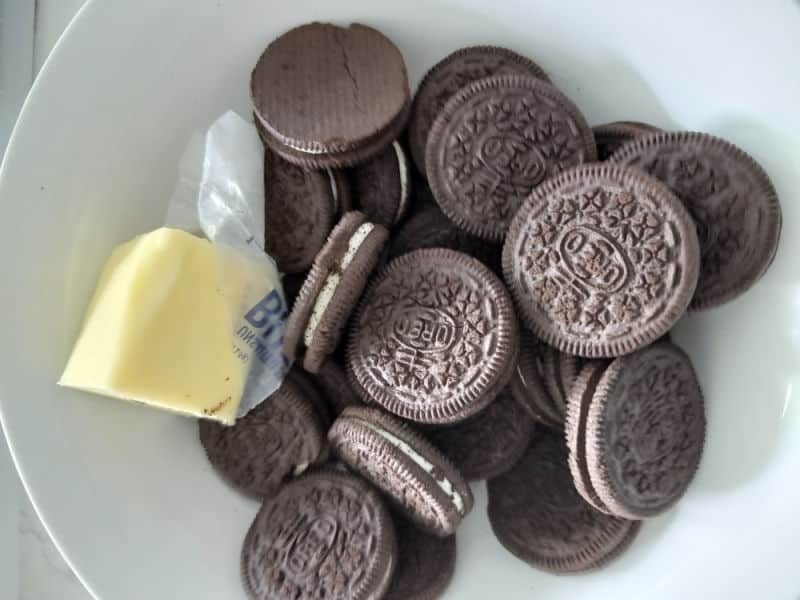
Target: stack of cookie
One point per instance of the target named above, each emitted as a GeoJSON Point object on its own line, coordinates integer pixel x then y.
{"type": "Point", "coordinates": [507, 317]}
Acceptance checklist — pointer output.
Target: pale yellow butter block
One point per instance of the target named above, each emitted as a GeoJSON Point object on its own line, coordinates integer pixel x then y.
{"type": "Point", "coordinates": [160, 327]}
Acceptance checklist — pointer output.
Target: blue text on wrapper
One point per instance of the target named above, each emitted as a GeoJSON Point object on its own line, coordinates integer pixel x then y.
{"type": "Point", "coordinates": [263, 330]}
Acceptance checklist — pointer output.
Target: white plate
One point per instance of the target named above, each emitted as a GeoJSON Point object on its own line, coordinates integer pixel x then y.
{"type": "Point", "coordinates": [127, 493]}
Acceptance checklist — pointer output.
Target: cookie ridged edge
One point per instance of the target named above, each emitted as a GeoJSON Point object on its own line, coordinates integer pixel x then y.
{"type": "Point", "coordinates": [492, 379]}
{"type": "Point", "coordinates": [636, 179]}
{"type": "Point", "coordinates": [352, 430]}
{"type": "Point", "coordinates": [705, 141]}
{"type": "Point", "coordinates": [574, 428]}
{"type": "Point", "coordinates": [494, 232]}
{"type": "Point", "coordinates": [596, 447]}
{"type": "Point", "coordinates": [534, 68]}
{"type": "Point", "coordinates": [372, 586]}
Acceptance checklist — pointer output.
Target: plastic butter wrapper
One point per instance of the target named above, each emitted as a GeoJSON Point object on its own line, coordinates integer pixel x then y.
{"type": "Point", "coordinates": [191, 317]}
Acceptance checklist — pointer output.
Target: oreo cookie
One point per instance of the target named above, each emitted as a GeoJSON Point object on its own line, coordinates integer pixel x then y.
{"type": "Point", "coordinates": [425, 563]}
{"type": "Point", "coordinates": [645, 431]}
{"type": "Point", "coordinates": [434, 339]}
{"type": "Point", "coordinates": [578, 403]}
{"type": "Point", "coordinates": [300, 213]}
{"type": "Point", "coordinates": [731, 198]}
{"type": "Point", "coordinates": [412, 472]}
{"type": "Point", "coordinates": [488, 443]}
{"type": "Point", "coordinates": [382, 186]}
{"type": "Point", "coordinates": [278, 439]}
{"type": "Point", "coordinates": [332, 289]}
{"type": "Point", "coordinates": [537, 515]}
{"type": "Point", "coordinates": [325, 535]}
{"type": "Point", "coordinates": [449, 76]}
{"type": "Point", "coordinates": [329, 96]}
{"type": "Point", "coordinates": [610, 137]}
{"type": "Point", "coordinates": [332, 379]}
{"type": "Point", "coordinates": [528, 383]}
{"type": "Point", "coordinates": [494, 142]}
{"type": "Point", "coordinates": [601, 260]}
{"type": "Point", "coordinates": [428, 227]}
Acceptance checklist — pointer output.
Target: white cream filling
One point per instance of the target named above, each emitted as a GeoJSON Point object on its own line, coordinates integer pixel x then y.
{"type": "Point", "coordinates": [334, 191]}
{"type": "Point", "coordinates": [444, 484]}
{"type": "Point", "coordinates": [332, 281]}
{"type": "Point", "coordinates": [402, 167]}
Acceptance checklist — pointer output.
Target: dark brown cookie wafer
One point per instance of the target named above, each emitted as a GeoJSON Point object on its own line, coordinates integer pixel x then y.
{"type": "Point", "coordinates": [332, 289]}
{"type": "Point", "coordinates": [494, 142]}
{"type": "Point", "coordinates": [645, 431]}
{"type": "Point", "coordinates": [731, 199]}
{"type": "Point", "coordinates": [312, 392]}
{"type": "Point", "coordinates": [488, 443]}
{"type": "Point", "coordinates": [601, 260]}
{"type": "Point", "coordinates": [382, 186]}
{"type": "Point", "coordinates": [418, 477]}
{"type": "Point", "coordinates": [279, 438]}
{"type": "Point", "coordinates": [569, 367]}
{"type": "Point", "coordinates": [537, 514]}
{"type": "Point", "coordinates": [435, 338]}
{"type": "Point", "coordinates": [299, 213]}
{"type": "Point", "coordinates": [551, 359]}
{"type": "Point", "coordinates": [325, 535]}
{"type": "Point", "coordinates": [578, 402]}
{"type": "Point", "coordinates": [430, 228]}
{"type": "Point", "coordinates": [323, 92]}
{"type": "Point", "coordinates": [450, 75]}
{"type": "Point", "coordinates": [425, 563]}
{"type": "Point", "coordinates": [528, 386]}
{"type": "Point", "coordinates": [610, 137]}
{"type": "Point", "coordinates": [333, 381]}
{"type": "Point", "coordinates": [560, 372]}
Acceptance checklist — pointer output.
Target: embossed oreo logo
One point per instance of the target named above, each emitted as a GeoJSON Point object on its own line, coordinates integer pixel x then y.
{"type": "Point", "coordinates": [311, 544]}
{"type": "Point", "coordinates": [593, 258]}
{"type": "Point", "coordinates": [512, 158]}
{"type": "Point", "coordinates": [424, 329]}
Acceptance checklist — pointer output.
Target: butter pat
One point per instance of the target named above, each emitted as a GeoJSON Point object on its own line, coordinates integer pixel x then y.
{"type": "Point", "coordinates": [160, 328]}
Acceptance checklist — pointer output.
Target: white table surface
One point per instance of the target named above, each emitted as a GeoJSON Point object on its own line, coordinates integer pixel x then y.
{"type": "Point", "coordinates": [32, 567]}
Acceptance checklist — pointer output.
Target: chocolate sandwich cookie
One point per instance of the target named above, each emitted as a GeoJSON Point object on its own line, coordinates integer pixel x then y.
{"type": "Point", "coordinates": [731, 199]}
{"type": "Point", "coordinates": [276, 440]}
{"type": "Point", "coordinates": [578, 402]}
{"type": "Point", "coordinates": [488, 443]}
{"type": "Point", "coordinates": [528, 386]}
{"type": "Point", "coordinates": [333, 381]}
{"type": "Point", "coordinates": [494, 142]}
{"type": "Point", "coordinates": [311, 390]}
{"type": "Point", "coordinates": [300, 212]}
{"type": "Point", "coordinates": [610, 137]}
{"type": "Point", "coordinates": [410, 470]}
{"type": "Point", "coordinates": [382, 186]}
{"type": "Point", "coordinates": [449, 76]}
{"type": "Point", "coordinates": [332, 289]}
{"type": "Point", "coordinates": [434, 339]}
{"type": "Point", "coordinates": [430, 228]}
{"type": "Point", "coordinates": [330, 96]}
{"type": "Point", "coordinates": [325, 535]}
{"type": "Point", "coordinates": [425, 563]}
{"type": "Point", "coordinates": [645, 431]}
{"type": "Point", "coordinates": [560, 372]}
{"type": "Point", "coordinates": [601, 260]}
{"type": "Point", "coordinates": [537, 515]}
